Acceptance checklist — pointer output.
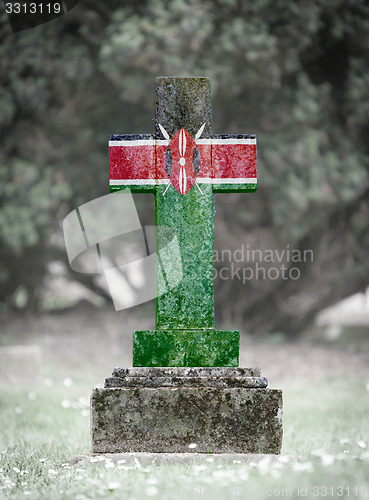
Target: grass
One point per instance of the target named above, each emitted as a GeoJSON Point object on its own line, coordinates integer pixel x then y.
{"type": "Point", "coordinates": [325, 451]}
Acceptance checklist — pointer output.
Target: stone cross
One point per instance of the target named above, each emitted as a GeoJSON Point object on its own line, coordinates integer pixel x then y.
{"type": "Point", "coordinates": [183, 164]}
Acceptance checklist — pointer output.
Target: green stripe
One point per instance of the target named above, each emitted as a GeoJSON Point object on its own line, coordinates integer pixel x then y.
{"type": "Point", "coordinates": [234, 188]}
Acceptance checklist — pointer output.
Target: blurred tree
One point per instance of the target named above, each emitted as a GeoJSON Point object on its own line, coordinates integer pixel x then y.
{"type": "Point", "coordinates": [294, 73]}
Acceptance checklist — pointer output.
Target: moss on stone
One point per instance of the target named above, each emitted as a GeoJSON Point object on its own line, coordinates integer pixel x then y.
{"type": "Point", "coordinates": [186, 348]}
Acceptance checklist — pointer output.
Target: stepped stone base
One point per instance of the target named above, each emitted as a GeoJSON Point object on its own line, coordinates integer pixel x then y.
{"type": "Point", "coordinates": [169, 410]}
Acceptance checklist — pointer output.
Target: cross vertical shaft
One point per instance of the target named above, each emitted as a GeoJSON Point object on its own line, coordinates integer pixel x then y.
{"type": "Point", "coordinates": [186, 103]}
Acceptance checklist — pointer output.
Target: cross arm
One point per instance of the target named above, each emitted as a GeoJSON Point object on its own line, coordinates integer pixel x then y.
{"type": "Point", "coordinates": [233, 158]}
{"type": "Point", "coordinates": [132, 162]}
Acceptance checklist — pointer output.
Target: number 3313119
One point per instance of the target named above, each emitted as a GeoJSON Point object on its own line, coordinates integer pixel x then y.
{"type": "Point", "coordinates": [33, 8]}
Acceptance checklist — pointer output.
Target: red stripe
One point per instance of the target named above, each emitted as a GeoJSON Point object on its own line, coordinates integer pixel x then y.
{"type": "Point", "coordinates": [132, 162]}
{"type": "Point", "coordinates": [205, 160]}
{"type": "Point", "coordinates": [138, 162]}
{"type": "Point", "coordinates": [234, 160]}
{"type": "Point", "coordinates": [161, 173]}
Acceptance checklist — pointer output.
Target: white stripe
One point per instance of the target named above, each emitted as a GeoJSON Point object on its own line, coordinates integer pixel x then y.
{"type": "Point", "coordinates": [129, 182]}
{"type": "Point", "coordinates": [225, 142]}
{"type": "Point", "coordinates": [228, 180]}
{"type": "Point", "coordinates": [161, 142]}
{"type": "Point", "coordinates": [140, 142]}
{"type": "Point", "coordinates": [137, 182]}
{"type": "Point", "coordinates": [200, 180]}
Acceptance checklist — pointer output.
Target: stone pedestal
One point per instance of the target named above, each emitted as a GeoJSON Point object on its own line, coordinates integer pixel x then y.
{"type": "Point", "coordinates": [165, 410]}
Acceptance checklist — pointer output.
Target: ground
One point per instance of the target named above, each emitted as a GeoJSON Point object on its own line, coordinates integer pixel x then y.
{"type": "Point", "coordinates": [42, 427]}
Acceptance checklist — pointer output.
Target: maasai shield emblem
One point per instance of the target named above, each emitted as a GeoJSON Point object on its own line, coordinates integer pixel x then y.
{"type": "Point", "coordinates": [182, 160]}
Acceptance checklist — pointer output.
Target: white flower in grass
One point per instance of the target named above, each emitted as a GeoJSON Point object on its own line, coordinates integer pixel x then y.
{"type": "Point", "coordinates": [52, 472]}
{"type": "Point", "coordinates": [18, 410]}
{"type": "Point", "coordinates": [219, 474]}
{"type": "Point", "coordinates": [109, 465]}
{"type": "Point", "coordinates": [275, 473]}
{"type": "Point", "coordinates": [152, 491]}
{"type": "Point", "coordinates": [94, 459]}
{"type": "Point", "coordinates": [124, 467]}
{"type": "Point", "coordinates": [192, 446]}
{"type": "Point", "coordinates": [67, 382]}
{"type": "Point", "coordinates": [210, 459]}
{"type": "Point", "coordinates": [341, 456]}
{"type": "Point", "coordinates": [84, 402]}
{"type": "Point", "coordinates": [26, 492]}
{"type": "Point", "coordinates": [327, 460]}
{"type": "Point", "coordinates": [8, 482]}
{"type": "Point", "coordinates": [65, 403]}
{"type": "Point", "coordinates": [152, 480]}
{"type": "Point", "coordinates": [264, 464]}
{"type": "Point", "coordinates": [48, 382]}
{"type": "Point", "coordinates": [114, 485]}
{"type": "Point", "coordinates": [243, 474]}
{"type": "Point", "coordinates": [303, 467]}
{"type": "Point", "coordinates": [15, 469]}
{"type": "Point", "coordinates": [32, 396]}
{"type": "Point", "coordinates": [199, 467]}
{"type": "Point", "coordinates": [318, 453]}
{"type": "Point", "coordinates": [361, 444]}
{"type": "Point", "coordinates": [344, 440]}
{"type": "Point", "coordinates": [277, 465]}
{"type": "Point", "coordinates": [85, 413]}
{"type": "Point", "coordinates": [122, 461]}
{"type": "Point", "coordinates": [42, 460]}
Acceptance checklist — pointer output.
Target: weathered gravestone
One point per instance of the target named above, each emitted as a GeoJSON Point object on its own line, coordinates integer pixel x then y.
{"type": "Point", "coordinates": [185, 386]}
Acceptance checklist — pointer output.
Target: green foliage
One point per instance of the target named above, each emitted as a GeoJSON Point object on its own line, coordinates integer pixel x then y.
{"type": "Point", "coordinates": [31, 199]}
{"type": "Point", "coordinates": [294, 73]}
{"type": "Point", "coordinates": [264, 50]}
